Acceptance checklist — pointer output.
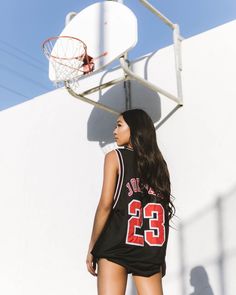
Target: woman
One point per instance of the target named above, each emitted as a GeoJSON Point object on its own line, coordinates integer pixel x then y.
{"type": "Point", "coordinates": [131, 224]}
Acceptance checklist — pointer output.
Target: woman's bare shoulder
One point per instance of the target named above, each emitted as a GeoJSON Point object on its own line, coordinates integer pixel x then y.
{"type": "Point", "coordinates": [111, 156]}
{"type": "Point", "coordinates": [111, 159]}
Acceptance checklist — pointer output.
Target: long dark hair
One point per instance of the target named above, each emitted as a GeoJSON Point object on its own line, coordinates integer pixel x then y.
{"type": "Point", "coordinates": [151, 166]}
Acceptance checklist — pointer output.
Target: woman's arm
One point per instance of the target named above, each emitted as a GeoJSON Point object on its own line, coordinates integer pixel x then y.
{"type": "Point", "coordinates": [111, 168]}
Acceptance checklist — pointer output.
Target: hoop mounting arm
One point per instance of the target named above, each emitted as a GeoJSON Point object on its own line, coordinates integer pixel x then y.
{"type": "Point", "coordinates": [147, 83]}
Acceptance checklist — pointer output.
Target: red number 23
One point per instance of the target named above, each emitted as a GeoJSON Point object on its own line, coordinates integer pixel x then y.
{"type": "Point", "coordinates": [155, 234]}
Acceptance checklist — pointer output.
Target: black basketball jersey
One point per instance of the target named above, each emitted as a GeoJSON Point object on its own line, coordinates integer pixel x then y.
{"type": "Point", "coordinates": [136, 232]}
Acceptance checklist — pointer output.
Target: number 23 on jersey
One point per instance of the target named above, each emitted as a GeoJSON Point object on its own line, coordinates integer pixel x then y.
{"type": "Point", "coordinates": [154, 235]}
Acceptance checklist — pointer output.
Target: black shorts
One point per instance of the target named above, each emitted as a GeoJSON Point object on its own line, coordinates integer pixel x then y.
{"type": "Point", "coordinates": [138, 269]}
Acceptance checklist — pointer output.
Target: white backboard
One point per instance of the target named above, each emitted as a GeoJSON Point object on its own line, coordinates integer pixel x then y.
{"type": "Point", "coordinates": [109, 29]}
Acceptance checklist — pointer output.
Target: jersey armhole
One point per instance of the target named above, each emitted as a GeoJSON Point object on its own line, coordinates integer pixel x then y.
{"type": "Point", "coordinates": [120, 177]}
{"type": "Point", "coordinates": [118, 158]}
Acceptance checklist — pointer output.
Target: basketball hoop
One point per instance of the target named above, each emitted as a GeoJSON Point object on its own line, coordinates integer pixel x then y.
{"type": "Point", "coordinates": [68, 56]}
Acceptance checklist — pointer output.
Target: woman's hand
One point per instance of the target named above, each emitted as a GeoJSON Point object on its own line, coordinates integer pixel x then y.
{"type": "Point", "coordinates": [90, 265]}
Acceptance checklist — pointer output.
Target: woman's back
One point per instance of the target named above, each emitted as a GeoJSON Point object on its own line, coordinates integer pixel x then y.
{"type": "Point", "coordinates": [136, 232]}
{"type": "Point", "coordinates": [131, 224]}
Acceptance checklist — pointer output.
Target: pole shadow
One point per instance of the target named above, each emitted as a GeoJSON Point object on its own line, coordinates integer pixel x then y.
{"type": "Point", "coordinates": [222, 216]}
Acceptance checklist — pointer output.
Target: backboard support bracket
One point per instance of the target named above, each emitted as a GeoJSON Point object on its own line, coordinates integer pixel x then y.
{"type": "Point", "coordinates": [130, 75]}
{"type": "Point", "coordinates": [84, 98]}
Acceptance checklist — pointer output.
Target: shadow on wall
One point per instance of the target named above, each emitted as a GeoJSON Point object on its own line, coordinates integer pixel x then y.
{"type": "Point", "coordinates": [200, 282]}
{"type": "Point", "coordinates": [209, 239]}
{"type": "Point", "coordinates": [101, 124]}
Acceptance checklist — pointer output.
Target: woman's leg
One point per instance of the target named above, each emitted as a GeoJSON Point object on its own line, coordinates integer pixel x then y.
{"type": "Point", "coordinates": [148, 285]}
{"type": "Point", "coordinates": [111, 279]}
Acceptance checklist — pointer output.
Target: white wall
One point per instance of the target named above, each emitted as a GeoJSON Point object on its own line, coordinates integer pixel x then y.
{"type": "Point", "coordinates": [51, 156]}
{"type": "Point", "coordinates": [200, 144]}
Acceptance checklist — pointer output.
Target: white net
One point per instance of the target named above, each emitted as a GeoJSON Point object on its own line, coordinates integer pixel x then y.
{"type": "Point", "coordinates": [67, 56]}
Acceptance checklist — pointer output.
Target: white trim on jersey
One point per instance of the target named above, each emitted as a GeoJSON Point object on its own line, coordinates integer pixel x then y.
{"type": "Point", "coordinates": [120, 178]}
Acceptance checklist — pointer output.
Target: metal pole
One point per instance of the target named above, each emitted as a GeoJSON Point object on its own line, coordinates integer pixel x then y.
{"type": "Point", "coordinates": [127, 83]}
{"type": "Point", "coordinates": [90, 101]}
{"type": "Point", "coordinates": [158, 13]}
{"type": "Point", "coordinates": [127, 86]}
{"type": "Point", "coordinates": [147, 83]}
{"type": "Point", "coordinates": [178, 61]}
{"type": "Point", "coordinates": [102, 86]}
{"type": "Point", "coordinates": [177, 38]}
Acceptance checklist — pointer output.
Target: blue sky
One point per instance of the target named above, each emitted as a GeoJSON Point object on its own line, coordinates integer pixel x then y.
{"type": "Point", "coordinates": [26, 23]}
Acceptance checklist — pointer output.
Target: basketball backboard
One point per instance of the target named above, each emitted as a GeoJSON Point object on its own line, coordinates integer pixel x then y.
{"type": "Point", "coordinates": [109, 29]}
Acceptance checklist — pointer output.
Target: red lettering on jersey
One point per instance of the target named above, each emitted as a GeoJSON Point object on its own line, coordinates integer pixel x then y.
{"type": "Point", "coordinates": [138, 181]}
{"type": "Point", "coordinates": [134, 184]}
{"type": "Point", "coordinates": [151, 192]}
{"type": "Point", "coordinates": [130, 191]}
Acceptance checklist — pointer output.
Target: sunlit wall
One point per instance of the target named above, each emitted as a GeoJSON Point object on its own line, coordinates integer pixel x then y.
{"type": "Point", "coordinates": [51, 156]}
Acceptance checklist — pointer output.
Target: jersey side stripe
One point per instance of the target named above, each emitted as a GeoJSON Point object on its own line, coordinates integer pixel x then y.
{"type": "Point", "coordinates": [120, 178]}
